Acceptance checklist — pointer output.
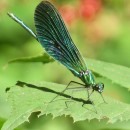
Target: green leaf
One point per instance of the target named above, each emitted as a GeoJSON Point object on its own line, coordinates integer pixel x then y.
{"type": "Point", "coordinates": [25, 101]}
{"type": "Point", "coordinates": [44, 58]}
{"type": "Point", "coordinates": [116, 73]}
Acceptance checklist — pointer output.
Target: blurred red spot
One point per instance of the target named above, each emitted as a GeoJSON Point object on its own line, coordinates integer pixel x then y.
{"type": "Point", "coordinates": [89, 8]}
{"type": "Point", "coordinates": [68, 13]}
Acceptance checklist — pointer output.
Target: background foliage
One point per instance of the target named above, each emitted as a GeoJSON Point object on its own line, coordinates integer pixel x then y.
{"type": "Point", "coordinates": [100, 29]}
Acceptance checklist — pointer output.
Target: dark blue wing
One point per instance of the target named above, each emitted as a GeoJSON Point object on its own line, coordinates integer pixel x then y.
{"type": "Point", "coordinates": [53, 35]}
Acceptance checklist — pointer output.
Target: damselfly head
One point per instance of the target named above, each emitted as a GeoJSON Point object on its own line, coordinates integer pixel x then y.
{"type": "Point", "coordinates": [99, 87]}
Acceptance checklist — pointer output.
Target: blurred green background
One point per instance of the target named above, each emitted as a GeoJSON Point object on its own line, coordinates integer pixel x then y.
{"type": "Point", "coordinates": [99, 28]}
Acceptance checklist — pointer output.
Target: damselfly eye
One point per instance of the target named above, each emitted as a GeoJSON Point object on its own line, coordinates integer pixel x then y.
{"type": "Point", "coordinates": [100, 87]}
